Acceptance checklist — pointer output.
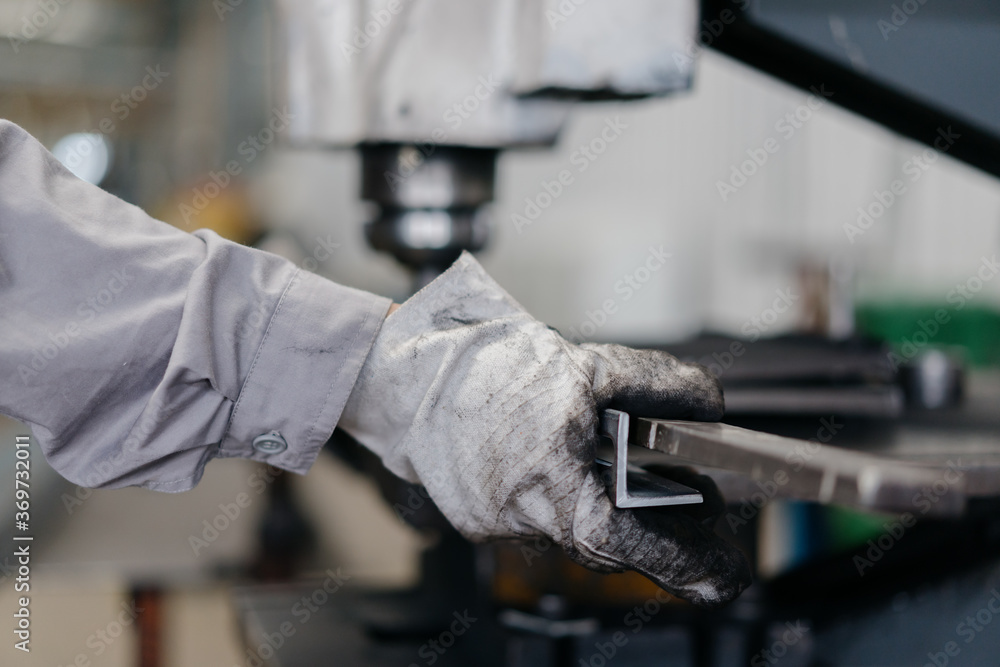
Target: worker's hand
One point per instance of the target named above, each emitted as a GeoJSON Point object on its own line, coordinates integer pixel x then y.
{"type": "Point", "coordinates": [496, 415]}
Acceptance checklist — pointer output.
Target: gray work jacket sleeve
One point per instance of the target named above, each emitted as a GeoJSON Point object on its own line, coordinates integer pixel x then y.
{"type": "Point", "coordinates": [138, 352]}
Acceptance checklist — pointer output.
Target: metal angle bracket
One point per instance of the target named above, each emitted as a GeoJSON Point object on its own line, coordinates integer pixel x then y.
{"type": "Point", "coordinates": [630, 485]}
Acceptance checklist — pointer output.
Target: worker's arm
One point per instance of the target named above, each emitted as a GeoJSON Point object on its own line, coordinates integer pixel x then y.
{"type": "Point", "coordinates": [137, 352]}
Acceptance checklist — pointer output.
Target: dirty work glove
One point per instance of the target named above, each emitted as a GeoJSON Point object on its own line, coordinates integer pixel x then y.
{"type": "Point", "coordinates": [497, 416]}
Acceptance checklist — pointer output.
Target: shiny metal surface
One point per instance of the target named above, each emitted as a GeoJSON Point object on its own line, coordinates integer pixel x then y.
{"type": "Point", "coordinates": [935, 481]}
{"type": "Point", "coordinates": [807, 470]}
{"type": "Point", "coordinates": [630, 485]}
{"type": "Point", "coordinates": [427, 175]}
{"type": "Point", "coordinates": [431, 202]}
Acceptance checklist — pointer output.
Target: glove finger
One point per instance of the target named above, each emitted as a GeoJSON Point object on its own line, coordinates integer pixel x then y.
{"type": "Point", "coordinates": [652, 383]}
{"type": "Point", "coordinates": [677, 552]}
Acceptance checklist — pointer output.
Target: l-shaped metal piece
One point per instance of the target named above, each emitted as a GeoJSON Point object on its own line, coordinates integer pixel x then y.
{"type": "Point", "coordinates": [630, 485]}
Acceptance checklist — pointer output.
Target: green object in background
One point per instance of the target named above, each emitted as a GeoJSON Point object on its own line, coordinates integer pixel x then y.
{"type": "Point", "coordinates": [849, 529]}
{"type": "Point", "coordinates": [911, 327]}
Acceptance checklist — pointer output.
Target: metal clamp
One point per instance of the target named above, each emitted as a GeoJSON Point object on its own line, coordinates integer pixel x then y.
{"type": "Point", "coordinates": [629, 484]}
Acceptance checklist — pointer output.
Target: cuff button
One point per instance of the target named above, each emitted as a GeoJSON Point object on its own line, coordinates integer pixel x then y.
{"type": "Point", "coordinates": [270, 443]}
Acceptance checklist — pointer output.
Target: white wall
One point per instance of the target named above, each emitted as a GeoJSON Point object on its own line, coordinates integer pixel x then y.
{"type": "Point", "coordinates": [657, 184]}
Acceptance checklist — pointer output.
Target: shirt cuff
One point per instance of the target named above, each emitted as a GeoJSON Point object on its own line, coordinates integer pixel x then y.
{"type": "Point", "coordinates": [305, 368]}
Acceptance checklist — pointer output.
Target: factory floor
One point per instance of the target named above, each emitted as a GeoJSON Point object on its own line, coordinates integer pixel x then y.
{"type": "Point", "coordinates": [84, 565]}
{"type": "Point", "coordinates": [89, 623]}
{"type": "Point", "coordinates": [91, 549]}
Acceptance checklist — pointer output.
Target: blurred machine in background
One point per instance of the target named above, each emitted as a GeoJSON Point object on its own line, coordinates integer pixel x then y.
{"type": "Point", "coordinates": [430, 91]}
{"type": "Point", "coordinates": [429, 95]}
{"type": "Point", "coordinates": [442, 101]}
